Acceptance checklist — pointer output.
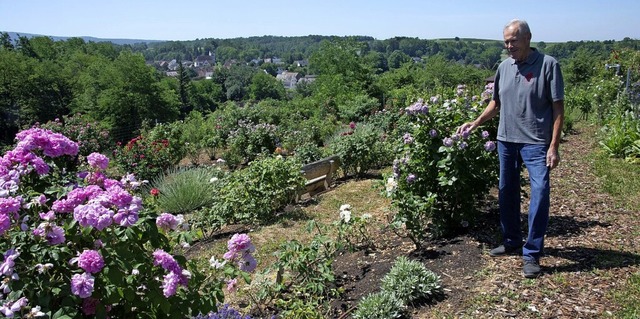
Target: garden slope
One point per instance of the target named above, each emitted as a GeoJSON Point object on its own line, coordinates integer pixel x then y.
{"type": "Point", "coordinates": [591, 250]}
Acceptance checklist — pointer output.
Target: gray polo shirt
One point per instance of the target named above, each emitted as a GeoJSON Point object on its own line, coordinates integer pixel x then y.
{"type": "Point", "coordinates": [526, 92]}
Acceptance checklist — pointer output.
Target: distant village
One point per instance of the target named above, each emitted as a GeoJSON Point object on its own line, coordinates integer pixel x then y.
{"type": "Point", "coordinates": [204, 66]}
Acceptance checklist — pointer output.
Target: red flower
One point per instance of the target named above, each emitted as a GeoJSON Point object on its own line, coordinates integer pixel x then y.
{"type": "Point", "coordinates": [154, 192]}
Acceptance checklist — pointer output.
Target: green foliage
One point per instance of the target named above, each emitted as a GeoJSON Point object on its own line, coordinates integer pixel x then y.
{"type": "Point", "coordinates": [90, 135]}
{"type": "Point", "coordinates": [145, 157]}
{"type": "Point", "coordinates": [380, 305]}
{"type": "Point", "coordinates": [353, 231]}
{"type": "Point", "coordinates": [185, 190]}
{"type": "Point", "coordinates": [440, 176]}
{"type": "Point", "coordinates": [411, 281]}
{"type": "Point", "coordinates": [361, 148]}
{"type": "Point", "coordinates": [308, 153]}
{"type": "Point", "coordinates": [248, 141]}
{"type": "Point", "coordinates": [357, 108]}
{"type": "Point", "coordinates": [264, 86]}
{"type": "Point", "coordinates": [256, 193]}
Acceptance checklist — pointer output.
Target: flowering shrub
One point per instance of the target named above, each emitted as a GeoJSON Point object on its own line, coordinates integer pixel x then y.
{"type": "Point", "coordinates": [250, 140]}
{"type": "Point", "coordinates": [78, 243]}
{"type": "Point", "coordinates": [440, 176]}
{"type": "Point", "coordinates": [91, 136]}
{"type": "Point", "coordinates": [145, 158]}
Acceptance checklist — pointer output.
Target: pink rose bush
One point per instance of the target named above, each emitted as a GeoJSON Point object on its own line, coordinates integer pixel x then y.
{"type": "Point", "coordinates": [77, 242]}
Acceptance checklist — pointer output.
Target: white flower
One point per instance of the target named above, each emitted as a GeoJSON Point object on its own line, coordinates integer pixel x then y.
{"type": "Point", "coordinates": [135, 272]}
{"type": "Point", "coordinates": [215, 263]}
{"type": "Point", "coordinates": [391, 185]}
{"type": "Point", "coordinates": [185, 245]}
{"type": "Point", "coordinates": [345, 215]}
{"type": "Point", "coordinates": [345, 207]}
{"type": "Point", "coordinates": [213, 180]}
{"type": "Point", "coordinates": [35, 312]}
{"type": "Point", "coordinates": [366, 216]}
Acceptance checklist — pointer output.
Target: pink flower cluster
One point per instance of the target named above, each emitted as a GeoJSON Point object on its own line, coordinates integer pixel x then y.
{"type": "Point", "coordinates": [98, 161]}
{"type": "Point", "coordinates": [82, 285]}
{"type": "Point", "coordinates": [9, 207]}
{"type": "Point", "coordinates": [176, 276]}
{"type": "Point", "coordinates": [240, 250]}
{"type": "Point", "coordinates": [168, 222]}
{"type": "Point", "coordinates": [97, 207]}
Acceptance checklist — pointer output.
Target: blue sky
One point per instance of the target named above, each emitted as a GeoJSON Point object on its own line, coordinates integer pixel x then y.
{"type": "Point", "coordinates": [550, 20]}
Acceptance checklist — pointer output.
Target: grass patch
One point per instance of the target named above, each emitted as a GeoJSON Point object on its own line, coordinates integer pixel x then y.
{"type": "Point", "coordinates": [620, 179]}
{"type": "Point", "coordinates": [629, 298]}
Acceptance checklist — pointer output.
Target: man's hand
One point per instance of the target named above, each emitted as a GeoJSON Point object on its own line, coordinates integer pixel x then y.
{"type": "Point", "coordinates": [465, 128]}
{"type": "Point", "coordinates": [553, 158]}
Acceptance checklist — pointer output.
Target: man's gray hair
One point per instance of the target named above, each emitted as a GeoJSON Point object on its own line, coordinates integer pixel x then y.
{"type": "Point", "coordinates": [523, 26]}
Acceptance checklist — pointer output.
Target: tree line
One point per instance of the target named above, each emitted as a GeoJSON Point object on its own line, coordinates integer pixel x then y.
{"type": "Point", "coordinates": [42, 79]}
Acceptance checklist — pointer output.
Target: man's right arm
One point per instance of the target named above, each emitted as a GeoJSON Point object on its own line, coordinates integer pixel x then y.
{"type": "Point", "coordinates": [489, 112]}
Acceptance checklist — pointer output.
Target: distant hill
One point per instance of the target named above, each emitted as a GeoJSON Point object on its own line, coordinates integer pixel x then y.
{"type": "Point", "coordinates": [14, 36]}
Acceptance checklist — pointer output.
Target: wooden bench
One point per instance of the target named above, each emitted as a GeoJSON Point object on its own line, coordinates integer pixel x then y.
{"type": "Point", "coordinates": [319, 175]}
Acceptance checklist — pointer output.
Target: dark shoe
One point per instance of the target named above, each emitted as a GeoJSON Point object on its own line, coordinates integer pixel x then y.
{"type": "Point", "coordinates": [503, 250]}
{"type": "Point", "coordinates": [531, 269]}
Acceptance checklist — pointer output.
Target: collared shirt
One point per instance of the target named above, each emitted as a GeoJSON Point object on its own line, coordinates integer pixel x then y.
{"type": "Point", "coordinates": [526, 92]}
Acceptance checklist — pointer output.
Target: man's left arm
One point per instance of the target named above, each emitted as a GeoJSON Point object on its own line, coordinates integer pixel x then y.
{"type": "Point", "coordinates": [553, 157]}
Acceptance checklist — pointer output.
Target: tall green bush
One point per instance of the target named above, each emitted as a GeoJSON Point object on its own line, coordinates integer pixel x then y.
{"type": "Point", "coordinates": [439, 176]}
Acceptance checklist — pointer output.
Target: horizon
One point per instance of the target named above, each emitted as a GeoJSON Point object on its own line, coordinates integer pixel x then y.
{"type": "Point", "coordinates": [161, 20]}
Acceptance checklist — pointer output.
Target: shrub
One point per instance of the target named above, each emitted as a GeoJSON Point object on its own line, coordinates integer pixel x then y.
{"type": "Point", "coordinates": [380, 305]}
{"type": "Point", "coordinates": [254, 193]}
{"type": "Point", "coordinates": [144, 157]}
{"type": "Point", "coordinates": [441, 176]}
{"type": "Point", "coordinates": [249, 141]}
{"type": "Point", "coordinates": [361, 148]}
{"type": "Point", "coordinates": [91, 136]}
{"type": "Point", "coordinates": [410, 281]}
{"type": "Point", "coordinates": [308, 153]}
{"type": "Point", "coordinates": [77, 243]}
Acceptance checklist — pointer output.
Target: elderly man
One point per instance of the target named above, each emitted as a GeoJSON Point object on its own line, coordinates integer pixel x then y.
{"type": "Point", "coordinates": [529, 96]}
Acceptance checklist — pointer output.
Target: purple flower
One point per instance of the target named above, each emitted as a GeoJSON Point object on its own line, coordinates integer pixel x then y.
{"type": "Point", "coordinates": [411, 178]}
{"type": "Point", "coordinates": [166, 261]}
{"type": "Point", "coordinates": [485, 134]}
{"type": "Point", "coordinates": [447, 141]}
{"type": "Point", "coordinates": [433, 133]}
{"type": "Point", "coordinates": [91, 261]}
{"type": "Point", "coordinates": [465, 134]}
{"type": "Point", "coordinates": [6, 268]}
{"type": "Point", "coordinates": [489, 146]}
{"type": "Point", "coordinates": [5, 223]}
{"type": "Point", "coordinates": [417, 108]}
{"type": "Point", "coordinates": [248, 263]}
{"type": "Point", "coordinates": [170, 284]}
{"type": "Point", "coordinates": [408, 139]}
{"type": "Point", "coordinates": [231, 285]}
{"type": "Point", "coordinates": [463, 145]}
{"type": "Point", "coordinates": [10, 205]}
{"type": "Point", "coordinates": [51, 232]}
{"type": "Point", "coordinates": [93, 215]}
{"type": "Point", "coordinates": [82, 285]}
{"type": "Point", "coordinates": [98, 161]}
{"type": "Point", "coordinates": [167, 222]}
{"type": "Point", "coordinates": [240, 242]}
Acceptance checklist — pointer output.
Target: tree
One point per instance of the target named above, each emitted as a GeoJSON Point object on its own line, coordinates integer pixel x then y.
{"type": "Point", "coordinates": [397, 59]}
{"type": "Point", "coordinates": [264, 86]}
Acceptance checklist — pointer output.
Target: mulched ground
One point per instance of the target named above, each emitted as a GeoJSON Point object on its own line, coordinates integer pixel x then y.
{"type": "Point", "coordinates": [591, 249]}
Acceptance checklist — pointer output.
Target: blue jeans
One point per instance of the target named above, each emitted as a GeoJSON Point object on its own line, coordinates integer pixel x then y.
{"type": "Point", "coordinates": [534, 156]}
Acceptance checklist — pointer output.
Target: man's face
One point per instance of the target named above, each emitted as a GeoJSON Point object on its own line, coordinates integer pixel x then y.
{"type": "Point", "coordinates": [517, 45]}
